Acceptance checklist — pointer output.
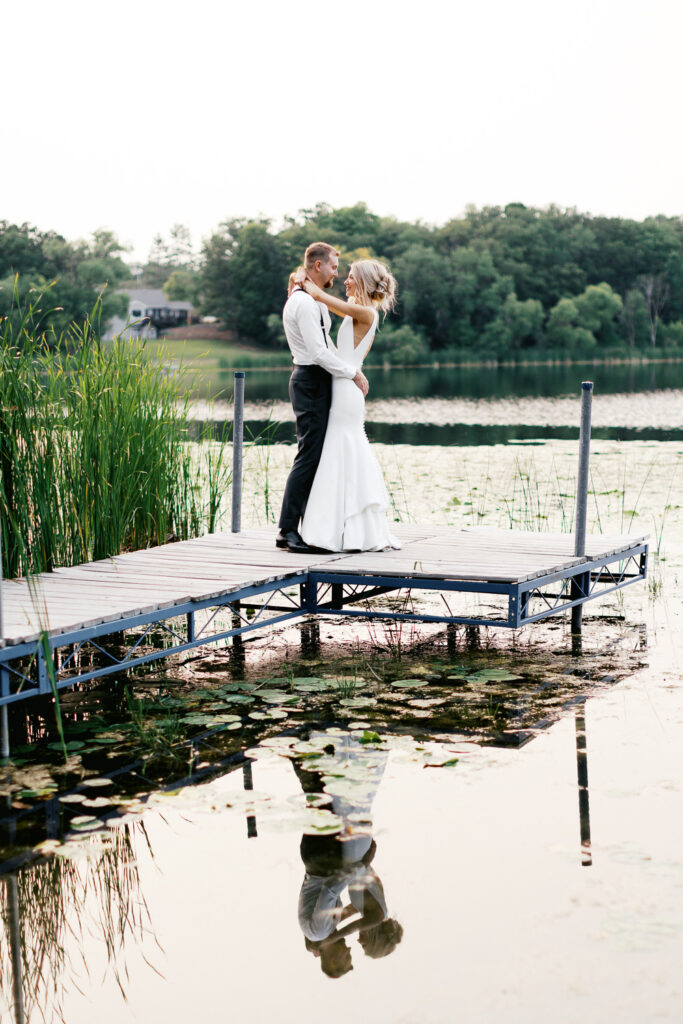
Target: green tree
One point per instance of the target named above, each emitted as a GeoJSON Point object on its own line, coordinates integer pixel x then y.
{"type": "Point", "coordinates": [244, 277]}
{"type": "Point", "coordinates": [598, 308]}
{"type": "Point", "coordinates": [563, 330]}
{"type": "Point", "coordinates": [399, 345]}
{"type": "Point", "coordinates": [634, 319]}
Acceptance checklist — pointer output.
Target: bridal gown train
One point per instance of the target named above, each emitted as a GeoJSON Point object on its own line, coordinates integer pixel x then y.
{"type": "Point", "coordinates": [347, 506]}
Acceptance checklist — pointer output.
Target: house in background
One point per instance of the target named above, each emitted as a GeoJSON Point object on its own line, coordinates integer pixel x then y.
{"type": "Point", "coordinates": [149, 313]}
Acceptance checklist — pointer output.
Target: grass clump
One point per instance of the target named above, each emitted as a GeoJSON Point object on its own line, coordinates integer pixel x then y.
{"type": "Point", "coordinates": [95, 457]}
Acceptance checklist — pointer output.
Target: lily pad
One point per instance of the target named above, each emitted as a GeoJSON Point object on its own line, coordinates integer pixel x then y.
{"type": "Point", "coordinates": [370, 737]}
{"type": "Point", "coordinates": [279, 742]}
{"type": "Point", "coordinates": [426, 702]}
{"type": "Point", "coordinates": [321, 822]}
{"type": "Point", "coordinates": [280, 698]}
{"type": "Point", "coordinates": [492, 675]}
{"type": "Point", "coordinates": [83, 823]}
{"type": "Point", "coordinates": [409, 684]}
{"type": "Point", "coordinates": [357, 702]}
{"type": "Point", "coordinates": [316, 684]}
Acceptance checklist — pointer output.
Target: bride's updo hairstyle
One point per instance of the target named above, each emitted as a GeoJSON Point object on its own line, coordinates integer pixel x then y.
{"type": "Point", "coordinates": [375, 284]}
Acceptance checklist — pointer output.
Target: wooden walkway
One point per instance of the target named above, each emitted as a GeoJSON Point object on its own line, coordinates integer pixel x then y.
{"type": "Point", "coordinates": [117, 590]}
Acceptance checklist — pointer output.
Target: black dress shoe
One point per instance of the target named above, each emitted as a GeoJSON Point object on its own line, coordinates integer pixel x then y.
{"type": "Point", "coordinates": [292, 541]}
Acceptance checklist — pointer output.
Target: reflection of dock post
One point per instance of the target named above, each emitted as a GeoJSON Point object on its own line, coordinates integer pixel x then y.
{"type": "Point", "coordinates": [580, 586]}
{"type": "Point", "coordinates": [248, 785]}
{"type": "Point", "coordinates": [451, 640]}
{"type": "Point", "coordinates": [15, 944]}
{"type": "Point", "coordinates": [582, 776]}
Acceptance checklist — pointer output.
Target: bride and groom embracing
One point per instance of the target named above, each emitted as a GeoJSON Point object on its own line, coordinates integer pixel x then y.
{"type": "Point", "coordinates": [335, 498]}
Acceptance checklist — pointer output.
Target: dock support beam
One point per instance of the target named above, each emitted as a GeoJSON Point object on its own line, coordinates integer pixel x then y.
{"type": "Point", "coordinates": [237, 439]}
{"type": "Point", "coordinates": [582, 496]}
{"type": "Point", "coordinates": [4, 733]}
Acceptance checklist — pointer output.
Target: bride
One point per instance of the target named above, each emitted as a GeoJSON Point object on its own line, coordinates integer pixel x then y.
{"type": "Point", "coordinates": [348, 503]}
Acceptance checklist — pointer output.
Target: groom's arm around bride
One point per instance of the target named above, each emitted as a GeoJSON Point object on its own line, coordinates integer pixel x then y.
{"type": "Point", "coordinates": [307, 324]}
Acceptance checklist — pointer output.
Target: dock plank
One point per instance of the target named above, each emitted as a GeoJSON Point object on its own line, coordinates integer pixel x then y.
{"type": "Point", "coordinates": [217, 565]}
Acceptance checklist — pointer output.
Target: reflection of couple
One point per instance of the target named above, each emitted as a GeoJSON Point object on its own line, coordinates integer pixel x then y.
{"type": "Point", "coordinates": [335, 497]}
{"type": "Point", "coordinates": [340, 862]}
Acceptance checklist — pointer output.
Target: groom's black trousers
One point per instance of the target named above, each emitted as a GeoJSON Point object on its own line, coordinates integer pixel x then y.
{"type": "Point", "coordinates": [310, 391]}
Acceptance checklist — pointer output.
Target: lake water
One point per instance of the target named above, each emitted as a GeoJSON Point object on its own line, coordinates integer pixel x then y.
{"type": "Point", "coordinates": [467, 405]}
{"type": "Point", "coordinates": [398, 824]}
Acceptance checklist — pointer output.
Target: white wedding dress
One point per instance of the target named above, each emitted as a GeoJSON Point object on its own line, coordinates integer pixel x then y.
{"type": "Point", "coordinates": [348, 503]}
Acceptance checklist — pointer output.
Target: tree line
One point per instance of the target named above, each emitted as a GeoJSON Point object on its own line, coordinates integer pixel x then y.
{"type": "Point", "coordinates": [493, 282]}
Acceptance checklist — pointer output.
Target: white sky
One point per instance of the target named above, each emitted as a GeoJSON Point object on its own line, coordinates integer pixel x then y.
{"type": "Point", "coordinates": [138, 115]}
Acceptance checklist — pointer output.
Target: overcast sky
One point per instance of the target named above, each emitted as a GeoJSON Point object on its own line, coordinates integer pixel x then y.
{"type": "Point", "coordinates": [139, 115]}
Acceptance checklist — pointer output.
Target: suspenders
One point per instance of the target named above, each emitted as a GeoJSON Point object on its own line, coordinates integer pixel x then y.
{"type": "Point", "coordinates": [322, 322]}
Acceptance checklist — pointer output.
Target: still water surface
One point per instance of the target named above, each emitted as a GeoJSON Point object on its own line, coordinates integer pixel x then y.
{"type": "Point", "coordinates": [402, 826]}
{"type": "Point", "coordinates": [468, 405]}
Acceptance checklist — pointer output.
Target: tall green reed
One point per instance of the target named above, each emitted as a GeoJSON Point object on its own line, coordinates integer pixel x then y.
{"type": "Point", "coordinates": [95, 453]}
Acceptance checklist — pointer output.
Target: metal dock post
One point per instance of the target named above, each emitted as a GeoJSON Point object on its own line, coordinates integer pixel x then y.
{"type": "Point", "coordinates": [4, 677]}
{"type": "Point", "coordinates": [237, 440]}
{"type": "Point", "coordinates": [581, 584]}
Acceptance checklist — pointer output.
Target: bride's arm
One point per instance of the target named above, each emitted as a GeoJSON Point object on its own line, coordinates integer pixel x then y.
{"type": "Point", "coordinates": [364, 314]}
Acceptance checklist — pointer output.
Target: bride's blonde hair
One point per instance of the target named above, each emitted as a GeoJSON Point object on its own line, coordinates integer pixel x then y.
{"type": "Point", "coordinates": [375, 284]}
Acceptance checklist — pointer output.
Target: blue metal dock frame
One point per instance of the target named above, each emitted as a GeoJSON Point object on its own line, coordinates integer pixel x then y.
{"type": "Point", "coordinates": [24, 672]}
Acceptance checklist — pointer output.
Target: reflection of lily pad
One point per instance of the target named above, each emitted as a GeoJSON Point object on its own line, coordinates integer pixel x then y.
{"type": "Point", "coordinates": [410, 683]}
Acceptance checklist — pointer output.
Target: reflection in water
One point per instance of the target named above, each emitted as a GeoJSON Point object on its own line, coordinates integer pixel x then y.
{"type": "Point", "coordinates": [43, 909]}
{"type": "Point", "coordinates": [343, 862]}
{"type": "Point", "coordinates": [417, 712]}
{"type": "Point", "coordinates": [582, 776]}
{"type": "Point", "coordinates": [470, 381]}
{"type": "Point", "coordinates": [265, 432]}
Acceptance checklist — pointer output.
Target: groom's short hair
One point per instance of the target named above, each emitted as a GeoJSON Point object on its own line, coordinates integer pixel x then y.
{"type": "Point", "coordinates": [318, 251]}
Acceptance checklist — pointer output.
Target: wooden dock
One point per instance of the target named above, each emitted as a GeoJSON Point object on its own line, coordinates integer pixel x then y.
{"type": "Point", "coordinates": [257, 584]}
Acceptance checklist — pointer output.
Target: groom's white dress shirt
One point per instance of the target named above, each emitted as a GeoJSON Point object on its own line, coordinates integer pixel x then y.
{"type": "Point", "coordinates": [301, 319]}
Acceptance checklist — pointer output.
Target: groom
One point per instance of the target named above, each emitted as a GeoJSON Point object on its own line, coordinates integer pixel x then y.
{"type": "Point", "coordinates": [307, 324]}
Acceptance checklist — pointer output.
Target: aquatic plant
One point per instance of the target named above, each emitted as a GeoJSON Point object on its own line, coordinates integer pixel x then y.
{"type": "Point", "coordinates": [95, 456]}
